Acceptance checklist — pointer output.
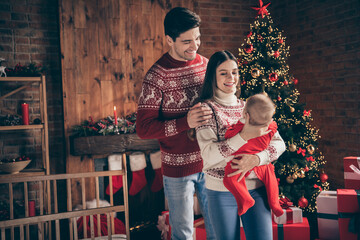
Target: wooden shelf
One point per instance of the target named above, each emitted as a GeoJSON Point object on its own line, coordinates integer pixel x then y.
{"type": "Point", "coordinates": [21, 127]}
{"type": "Point", "coordinates": [26, 82]}
{"type": "Point", "coordinates": [20, 79]}
{"type": "Point", "coordinates": [97, 145]}
{"type": "Point", "coordinates": [23, 173]}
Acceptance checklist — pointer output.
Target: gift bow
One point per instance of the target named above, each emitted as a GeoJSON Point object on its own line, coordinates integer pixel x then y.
{"type": "Point", "coordinates": [285, 203]}
{"type": "Point", "coordinates": [354, 168]}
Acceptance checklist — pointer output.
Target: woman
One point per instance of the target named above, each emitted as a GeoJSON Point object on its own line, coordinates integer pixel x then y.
{"type": "Point", "coordinates": [218, 93]}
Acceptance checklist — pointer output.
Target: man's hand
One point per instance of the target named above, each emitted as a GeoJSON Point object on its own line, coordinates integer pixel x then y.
{"type": "Point", "coordinates": [244, 163]}
{"type": "Point", "coordinates": [198, 115]}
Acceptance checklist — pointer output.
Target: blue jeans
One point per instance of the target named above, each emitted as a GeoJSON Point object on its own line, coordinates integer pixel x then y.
{"type": "Point", "coordinates": [179, 193]}
{"type": "Point", "coordinates": [226, 222]}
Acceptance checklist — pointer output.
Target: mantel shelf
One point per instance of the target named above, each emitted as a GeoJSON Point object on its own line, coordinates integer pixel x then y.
{"type": "Point", "coordinates": [21, 127]}
{"type": "Point", "coordinates": [98, 145]}
{"type": "Point", "coordinates": [20, 79]}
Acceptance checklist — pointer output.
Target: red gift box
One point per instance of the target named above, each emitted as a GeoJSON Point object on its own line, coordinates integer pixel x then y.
{"type": "Point", "coordinates": [352, 172]}
{"type": "Point", "coordinates": [164, 227]}
{"type": "Point", "coordinates": [348, 207]}
{"type": "Point", "coordinates": [294, 231]}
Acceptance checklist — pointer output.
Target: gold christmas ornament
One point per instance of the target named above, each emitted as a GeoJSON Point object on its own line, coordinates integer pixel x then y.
{"type": "Point", "coordinates": [289, 179]}
{"type": "Point", "coordinates": [311, 149]}
{"type": "Point", "coordinates": [295, 176]}
{"type": "Point", "coordinates": [292, 147]}
{"type": "Point", "coordinates": [255, 73]}
{"type": "Point", "coordinates": [292, 109]}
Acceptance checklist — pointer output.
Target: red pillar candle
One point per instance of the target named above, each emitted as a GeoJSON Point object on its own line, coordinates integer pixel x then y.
{"type": "Point", "coordinates": [25, 113]}
{"type": "Point", "coordinates": [31, 208]}
{"type": "Point", "coordinates": [115, 116]}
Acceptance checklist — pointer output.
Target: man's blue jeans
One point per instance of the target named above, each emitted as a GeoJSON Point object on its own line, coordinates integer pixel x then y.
{"type": "Point", "coordinates": [179, 193]}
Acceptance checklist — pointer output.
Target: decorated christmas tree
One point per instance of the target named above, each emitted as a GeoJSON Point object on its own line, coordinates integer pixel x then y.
{"type": "Point", "coordinates": [263, 69]}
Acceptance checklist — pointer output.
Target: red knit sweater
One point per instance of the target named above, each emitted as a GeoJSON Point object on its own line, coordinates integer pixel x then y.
{"type": "Point", "coordinates": [168, 91]}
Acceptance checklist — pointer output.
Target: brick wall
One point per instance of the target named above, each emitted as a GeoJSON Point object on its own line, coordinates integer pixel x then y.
{"type": "Point", "coordinates": [29, 32]}
{"type": "Point", "coordinates": [324, 39]}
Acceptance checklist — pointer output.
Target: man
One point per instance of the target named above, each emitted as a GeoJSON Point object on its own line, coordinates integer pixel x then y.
{"type": "Point", "coordinates": [165, 112]}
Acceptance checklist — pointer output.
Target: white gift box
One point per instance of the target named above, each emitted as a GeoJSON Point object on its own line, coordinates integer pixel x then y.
{"type": "Point", "coordinates": [327, 215]}
{"type": "Point", "coordinates": [291, 215]}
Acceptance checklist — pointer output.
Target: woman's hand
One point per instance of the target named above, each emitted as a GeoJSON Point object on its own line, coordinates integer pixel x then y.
{"type": "Point", "coordinates": [243, 163]}
{"type": "Point", "coordinates": [252, 131]}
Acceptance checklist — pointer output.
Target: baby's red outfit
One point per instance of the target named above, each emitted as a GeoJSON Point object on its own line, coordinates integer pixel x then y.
{"type": "Point", "coordinates": [266, 173]}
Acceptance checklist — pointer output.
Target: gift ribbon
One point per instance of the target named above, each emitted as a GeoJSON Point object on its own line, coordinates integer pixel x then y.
{"type": "Point", "coordinates": [280, 232]}
{"type": "Point", "coordinates": [328, 216]}
{"type": "Point", "coordinates": [289, 216]}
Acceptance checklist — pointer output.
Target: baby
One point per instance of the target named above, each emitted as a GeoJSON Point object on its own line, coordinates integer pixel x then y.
{"type": "Point", "coordinates": [259, 109]}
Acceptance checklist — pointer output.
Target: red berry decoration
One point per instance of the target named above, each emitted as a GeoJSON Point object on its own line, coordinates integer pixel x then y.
{"type": "Point", "coordinates": [279, 98]}
{"type": "Point", "coordinates": [306, 169]}
{"type": "Point", "coordinates": [295, 81]}
{"type": "Point", "coordinates": [286, 82]}
{"type": "Point", "coordinates": [281, 40]}
{"type": "Point", "coordinates": [249, 48]}
{"type": "Point", "coordinates": [276, 54]}
{"type": "Point", "coordinates": [324, 177]}
{"type": "Point", "coordinates": [303, 202]}
{"type": "Point", "coordinates": [249, 34]}
{"type": "Point", "coordinates": [273, 77]}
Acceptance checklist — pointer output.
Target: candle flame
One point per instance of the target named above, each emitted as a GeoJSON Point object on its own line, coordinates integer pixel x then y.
{"type": "Point", "coordinates": [114, 108]}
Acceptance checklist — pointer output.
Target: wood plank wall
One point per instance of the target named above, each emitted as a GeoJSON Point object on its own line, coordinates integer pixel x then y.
{"type": "Point", "coordinates": [106, 48]}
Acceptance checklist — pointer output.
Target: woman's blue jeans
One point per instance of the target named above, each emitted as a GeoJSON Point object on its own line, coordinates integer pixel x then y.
{"type": "Point", "coordinates": [179, 193]}
{"type": "Point", "coordinates": [226, 221]}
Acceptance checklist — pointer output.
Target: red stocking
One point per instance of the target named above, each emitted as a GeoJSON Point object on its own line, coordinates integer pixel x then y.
{"type": "Point", "coordinates": [115, 163]}
{"type": "Point", "coordinates": [137, 166]}
{"type": "Point", "coordinates": [155, 159]}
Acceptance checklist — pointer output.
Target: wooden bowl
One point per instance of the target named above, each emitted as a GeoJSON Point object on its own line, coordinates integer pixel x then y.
{"type": "Point", "coordinates": [14, 167]}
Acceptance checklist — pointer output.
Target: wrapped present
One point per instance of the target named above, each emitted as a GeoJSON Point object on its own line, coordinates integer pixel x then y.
{"type": "Point", "coordinates": [327, 215]}
{"type": "Point", "coordinates": [291, 215]}
{"type": "Point", "coordinates": [294, 231]}
{"type": "Point", "coordinates": [349, 213]}
{"type": "Point", "coordinates": [164, 227]}
{"type": "Point", "coordinates": [352, 172]}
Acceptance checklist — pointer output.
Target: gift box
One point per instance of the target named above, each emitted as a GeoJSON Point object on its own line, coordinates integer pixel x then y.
{"type": "Point", "coordinates": [349, 213]}
{"type": "Point", "coordinates": [352, 172]}
{"type": "Point", "coordinates": [291, 215]}
{"type": "Point", "coordinates": [164, 227]}
{"type": "Point", "coordinates": [293, 231]}
{"type": "Point", "coordinates": [327, 215]}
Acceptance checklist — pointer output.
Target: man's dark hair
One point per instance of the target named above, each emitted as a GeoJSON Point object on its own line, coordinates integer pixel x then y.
{"type": "Point", "coordinates": [179, 20]}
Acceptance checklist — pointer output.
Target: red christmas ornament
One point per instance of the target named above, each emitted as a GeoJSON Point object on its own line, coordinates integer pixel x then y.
{"type": "Point", "coordinates": [295, 81]}
{"type": "Point", "coordinates": [243, 83]}
{"type": "Point", "coordinates": [286, 82]}
{"type": "Point", "coordinates": [323, 177]}
{"type": "Point", "coordinates": [276, 54]}
{"type": "Point", "coordinates": [306, 169]}
{"type": "Point", "coordinates": [279, 98]}
{"type": "Point", "coordinates": [273, 77]}
{"type": "Point", "coordinates": [303, 202]}
{"type": "Point", "coordinates": [249, 48]}
{"type": "Point", "coordinates": [249, 34]}
{"type": "Point", "coordinates": [281, 41]}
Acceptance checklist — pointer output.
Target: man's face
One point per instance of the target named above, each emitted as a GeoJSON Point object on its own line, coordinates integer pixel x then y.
{"type": "Point", "coordinates": [185, 46]}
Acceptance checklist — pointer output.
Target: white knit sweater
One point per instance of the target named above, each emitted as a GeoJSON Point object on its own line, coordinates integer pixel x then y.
{"type": "Point", "coordinates": [217, 152]}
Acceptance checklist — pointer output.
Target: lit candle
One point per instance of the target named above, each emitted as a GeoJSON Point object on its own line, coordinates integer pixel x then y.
{"type": "Point", "coordinates": [25, 113]}
{"type": "Point", "coordinates": [115, 115]}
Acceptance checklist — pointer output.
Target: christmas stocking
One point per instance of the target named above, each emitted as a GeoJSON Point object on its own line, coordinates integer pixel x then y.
{"type": "Point", "coordinates": [137, 166]}
{"type": "Point", "coordinates": [115, 163]}
{"type": "Point", "coordinates": [155, 159]}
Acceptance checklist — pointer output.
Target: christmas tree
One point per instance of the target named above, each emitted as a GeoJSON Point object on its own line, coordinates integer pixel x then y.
{"type": "Point", "coordinates": [263, 69]}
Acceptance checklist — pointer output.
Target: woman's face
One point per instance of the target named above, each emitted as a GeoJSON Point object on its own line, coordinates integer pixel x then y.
{"type": "Point", "coordinates": [227, 76]}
